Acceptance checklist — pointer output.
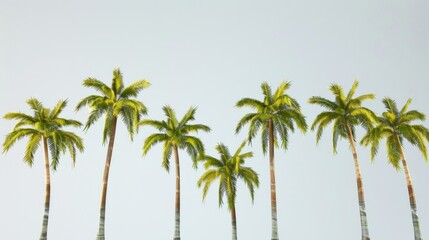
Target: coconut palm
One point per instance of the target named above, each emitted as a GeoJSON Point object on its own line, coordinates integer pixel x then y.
{"type": "Point", "coordinates": [346, 112]}
{"type": "Point", "coordinates": [115, 101]}
{"type": "Point", "coordinates": [275, 116]}
{"type": "Point", "coordinates": [395, 126]}
{"type": "Point", "coordinates": [175, 134]}
{"type": "Point", "coordinates": [228, 169]}
{"type": "Point", "coordinates": [44, 127]}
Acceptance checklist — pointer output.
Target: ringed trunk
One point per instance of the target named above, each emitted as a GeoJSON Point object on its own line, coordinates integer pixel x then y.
{"type": "Point", "coordinates": [44, 234]}
{"type": "Point", "coordinates": [177, 204]}
{"type": "Point", "coordinates": [362, 211]}
{"type": "Point", "coordinates": [234, 223]}
{"type": "Point", "coordinates": [413, 204]}
{"type": "Point", "coordinates": [274, 234]}
{"type": "Point", "coordinates": [100, 234]}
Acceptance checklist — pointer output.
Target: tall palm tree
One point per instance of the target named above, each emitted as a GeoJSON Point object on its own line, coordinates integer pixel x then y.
{"type": "Point", "coordinates": [175, 134]}
{"type": "Point", "coordinates": [228, 169]}
{"type": "Point", "coordinates": [346, 112]}
{"type": "Point", "coordinates": [275, 116]}
{"type": "Point", "coordinates": [44, 127]}
{"type": "Point", "coordinates": [115, 101]}
{"type": "Point", "coordinates": [395, 126]}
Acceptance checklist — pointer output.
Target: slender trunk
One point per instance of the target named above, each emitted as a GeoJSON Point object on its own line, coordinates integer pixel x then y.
{"type": "Point", "coordinates": [44, 235]}
{"type": "Point", "coordinates": [234, 223]}
{"type": "Point", "coordinates": [177, 206]}
{"type": "Point", "coordinates": [100, 234]}
{"type": "Point", "coordinates": [413, 204]}
{"type": "Point", "coordinates": [363, 220]}
{"type": "Point", "coordinates": [274, 234]}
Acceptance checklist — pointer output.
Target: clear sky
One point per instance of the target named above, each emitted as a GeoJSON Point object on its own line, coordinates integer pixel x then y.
{"type": "Point", "coordinates": [210, 54]}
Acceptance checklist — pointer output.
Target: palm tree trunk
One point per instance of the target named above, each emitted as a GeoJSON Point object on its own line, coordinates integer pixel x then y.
{"type": "Point", "coordinates": [413, 204]}
{"type": "Point", "coordinates": [274, 234]}
{"type": "Point", "coordinates": [177, 206]}
{"type": "Point", "coordinates": [44, 234]}
{"type": "Point", "coordinates": [100, 234]}
{"type": "Point", "coordinates": [234, 223]}
{"type": "Point", "coordinates": [363, 220]}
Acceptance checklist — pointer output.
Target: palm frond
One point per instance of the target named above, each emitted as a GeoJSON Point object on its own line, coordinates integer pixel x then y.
{"type": "Point", "coordinates": [134, 89]}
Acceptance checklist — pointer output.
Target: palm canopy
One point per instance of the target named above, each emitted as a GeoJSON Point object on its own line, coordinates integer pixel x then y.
{"type": "Point", "coordinates": [283, 110]}
{"type": "Point", "coordinates": [173, 132]}
{"type": "Point", "coordinates": [394, 125]}
{"type": "Point", "coordinates": [346, 110]}
{"type": "Point", "coordinates": [44, 123]}
{"type": "Point", "coordinates": [228, 169]}
{"type": "Point", "coordinates": [114, 101]}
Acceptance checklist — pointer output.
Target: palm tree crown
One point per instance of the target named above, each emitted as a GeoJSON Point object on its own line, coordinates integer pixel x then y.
{"type": "Point", "coordinates": [344, 111]}
{"type": "Point", "coordinates": [228, 169]}
{"type": "Point", "coordinates": [397, 124]}
{"type": "Point", "coordinates": [114, 101]}
{"type": "Point", "coordinates": [283, 110]}
{"type": "Point", "coordinates": [45, 123]}
{"type": "Point", "coordinates": [173, 132]}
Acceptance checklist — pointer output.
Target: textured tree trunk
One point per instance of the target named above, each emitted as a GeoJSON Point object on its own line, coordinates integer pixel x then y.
{"type": "Point", "coordinates": [274, 234]}
{"type": "Point", "coordinates": [363, 220]}
{"type": "Point", "coordinates": [100, 234]}
{"type": "Point", "coordinates": [234, 223]}
{"type": "Point", "coordinates": [413, 204]}
{"type": "Point", "coordinates": [44, 235]}
{"type": "Point", "coordinates": [177, 206]}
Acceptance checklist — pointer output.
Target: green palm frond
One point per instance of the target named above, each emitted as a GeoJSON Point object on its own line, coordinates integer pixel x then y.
{"type": "Point", "coordinates": [99, 86]}
{"type": "Point", "coordinates": [117, 81]}
{"type": "Point", "coordinates": [134, 89]}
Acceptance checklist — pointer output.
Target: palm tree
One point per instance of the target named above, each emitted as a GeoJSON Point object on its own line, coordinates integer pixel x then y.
{"type": "Point", "coordinates": [228, 169]}
{"type": "Point", "coordinates": [395, 126]}
{"type": "Point", "coordinates": [45, 127]}
{"type": "Point", "coordinates": [175, 134]}
{"type": "Point", "coordinates": [116, 101]}
{"type": "Point", "coordinates": [346, 113]}
{"type": "Point", "coordinates": [275, 116]}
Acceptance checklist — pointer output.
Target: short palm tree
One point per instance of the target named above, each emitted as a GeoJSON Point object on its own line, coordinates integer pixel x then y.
{"type": "Point", "coordinates": [115, 101]}
{"type": "Point", "coordinates": [175, 134]}
{"type": "Point", "coordinates": [395, 126]}
{"type": "Point", "coordinates": [44, 127]}
{"type": "Point", "coordinates": [346, 112]}
{"type": "Point", "coordinates": [276, 115]}
{"type": "Point", "coordinates": [228, 169]}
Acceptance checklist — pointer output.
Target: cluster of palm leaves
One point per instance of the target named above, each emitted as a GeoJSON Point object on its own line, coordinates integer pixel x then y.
{"type": "Point", "coordinates": [277, 115]}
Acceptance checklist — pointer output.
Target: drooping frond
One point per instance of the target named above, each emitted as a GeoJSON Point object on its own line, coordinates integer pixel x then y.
{"type": "Point", "coordinates": [252, 103]}
{"type": "Point", "coordinates": [99, 86]}
{"type": "Point", "coordinates": [323, 102]}
{"type": "Point", "coordinates": [134, 89]}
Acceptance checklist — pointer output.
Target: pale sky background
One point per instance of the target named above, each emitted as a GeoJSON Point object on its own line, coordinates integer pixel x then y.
{"type": "Point", "coordinates": [210, 54]}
